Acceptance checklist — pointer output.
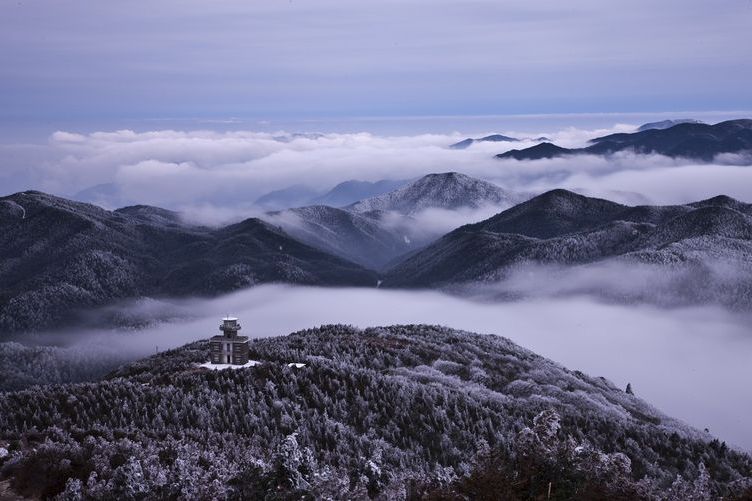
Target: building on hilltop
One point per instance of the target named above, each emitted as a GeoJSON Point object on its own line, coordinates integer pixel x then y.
{"type": "Point", "coordinates": [229, 348]}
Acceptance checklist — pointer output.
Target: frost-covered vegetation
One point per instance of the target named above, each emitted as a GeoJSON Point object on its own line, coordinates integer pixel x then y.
{"type": "Point", "coordinates": [58, 257]}
{"type": "Point", "coordinates": [406, 411]}
{"type": "Point", "coordinates": [700, 253]}
{"type": "Point", "coordinates": [23, 366]}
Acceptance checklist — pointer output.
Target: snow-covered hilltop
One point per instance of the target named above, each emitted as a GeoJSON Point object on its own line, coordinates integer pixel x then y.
{"type": "Point", "coordinates": [450, 190]}
{"type": "Point", "coordinates": [378, 413]}
{"type": "Point", "coordinates": [377, 230]}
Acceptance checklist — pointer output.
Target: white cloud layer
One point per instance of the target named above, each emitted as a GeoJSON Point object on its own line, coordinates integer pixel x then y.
{"type": "Point", "coordinates": [224, 172]}
{"type": "Point", "coordinates": [692, 363]}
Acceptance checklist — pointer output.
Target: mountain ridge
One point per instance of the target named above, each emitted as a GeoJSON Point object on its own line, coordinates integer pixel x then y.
{"type": "Point", "coordinates": [58, 255]}
{"type": "Point", "coordinates": [696, 141]}
{"type": "Point", "coordinates": [564, 228]}
{"type": "Point", "coordinates": [375, 231]}
{"type": "Point", "coordinates": [448, 190]}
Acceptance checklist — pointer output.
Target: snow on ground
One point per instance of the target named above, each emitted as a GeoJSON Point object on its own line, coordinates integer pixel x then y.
{"type": "Point", "coordinates": [250, 363]}
{"type": "Point", "coordinates": [221, 367]}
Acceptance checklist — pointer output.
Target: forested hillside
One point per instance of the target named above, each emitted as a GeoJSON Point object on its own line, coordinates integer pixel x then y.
{"type": "Point", "coordinates": [58, 257]}
{"type": "Point", "coordinates": [394, 412]}
{"type": "Point", "coordinates": [703, 250]}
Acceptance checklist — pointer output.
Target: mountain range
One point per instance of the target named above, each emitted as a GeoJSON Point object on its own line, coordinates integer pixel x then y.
{"type": "Point", "coordinates": [376, 230]}
{"type": "Point", "coordinates": [59, 257]}
{"type": "Point", "coordinates": [691, 140]}
{"type": "Point", "coordinates": [563, 228]}
{"type": "Point", "coordinates": [493, 138]}
{"type": "Point", "coordinates": [665, 124]}
{"type": "Point", "coordinates": [345, 193]}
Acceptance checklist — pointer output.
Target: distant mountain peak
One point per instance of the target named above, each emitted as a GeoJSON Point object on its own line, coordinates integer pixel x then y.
{"type": "Point", "coordinates": [493, 138]}
{"type": "Point", "coordinates": [693, 140]}
{"type": "Point", "coordinates": [448, 190]}
{"type": "Point", "coordinates": [537, 152]}
{"type": "Point", "coordinates": [665, 124]}
{"type": "Point", "coordinates": [349, 192]}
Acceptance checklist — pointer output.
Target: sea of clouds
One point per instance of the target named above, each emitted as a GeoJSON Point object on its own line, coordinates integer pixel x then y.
{"type": "Point", "coordinates": [216, 176]}
{"type": "Point", "coordinates": [690, 362]}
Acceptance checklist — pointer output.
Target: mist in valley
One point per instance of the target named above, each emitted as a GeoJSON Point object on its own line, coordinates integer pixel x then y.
{"type": "Point", "coordinates": [677, 359]}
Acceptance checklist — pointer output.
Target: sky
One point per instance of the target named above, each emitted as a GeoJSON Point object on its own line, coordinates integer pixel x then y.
{"type": "Point", "coordinates": [70, 60]}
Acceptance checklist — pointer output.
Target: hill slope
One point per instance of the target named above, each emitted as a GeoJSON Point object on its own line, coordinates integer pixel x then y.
{"type": "Point", "coordinates": [349, 192]}
{"type": "Point", "coordinates": [57, 256]}
{"type": "Point", "coordinates": [362, 238]}
{"type": "Point", "coordinates": [450, 190]}
{"type": "Point", "coordinates": [563, 228]}
{"type": "Point", "coordinates": [390, 412]}
{"type": "Point", "coordinates": [375, 231]}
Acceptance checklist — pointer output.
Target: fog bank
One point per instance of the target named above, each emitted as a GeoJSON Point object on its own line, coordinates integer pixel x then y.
{"type": "Point", "coordinates": [692, 363]}
{"type": "Point", "coordinates": [217, 175]}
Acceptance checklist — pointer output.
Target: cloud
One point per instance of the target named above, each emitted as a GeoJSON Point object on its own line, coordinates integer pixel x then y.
{"type": "Point", "coordinates": [429, 224]}
{"type": "Point", "coordinates": [724, 281]}
{"type": "Point", "coordinates": [677, 359]}
{"type": "Point", "coordinates": [228, 170]}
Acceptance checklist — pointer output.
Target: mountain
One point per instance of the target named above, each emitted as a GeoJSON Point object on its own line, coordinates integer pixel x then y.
{"type": "Point", "coordinates": [563, 228]}
{"type": "Point", "coordinates": [375, 231]}
{"type": "Point", "coordinates": [412, 411]}
{"type": "Point", "coordinates": [343, 194]}
{"type": "Point", "coordinates": [292, 196]}
{"type": "Point", "coordinates": [58, 256]}
{"type": "Point", "coordinates": [361, 238]}
{"type": "Point", "coordinates": [287, 138]}
{"type": "Point", "coordinates": [108, 194]}
{"type": "Point", "coordinates": [349, 192]}
{"type": "Point", "coordinates": [695, 141]}
{"type": "Point", "coordinates": [449, 190]}
{"type": "Point", "coordinates": [493, 138]}
{"type": "Point", "coordinates": [537, 152]}
{"type": "Point", "coordinates": [665, 124]}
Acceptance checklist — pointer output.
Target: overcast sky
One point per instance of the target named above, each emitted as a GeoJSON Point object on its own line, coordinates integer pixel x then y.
{"type": "Point", "coordinates": [296, 58]}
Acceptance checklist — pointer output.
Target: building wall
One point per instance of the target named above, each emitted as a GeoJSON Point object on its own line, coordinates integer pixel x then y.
{"type": "Point", "coordinates": [215, 352]}
{"type": "Point", "coordinates": [238, 351]}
